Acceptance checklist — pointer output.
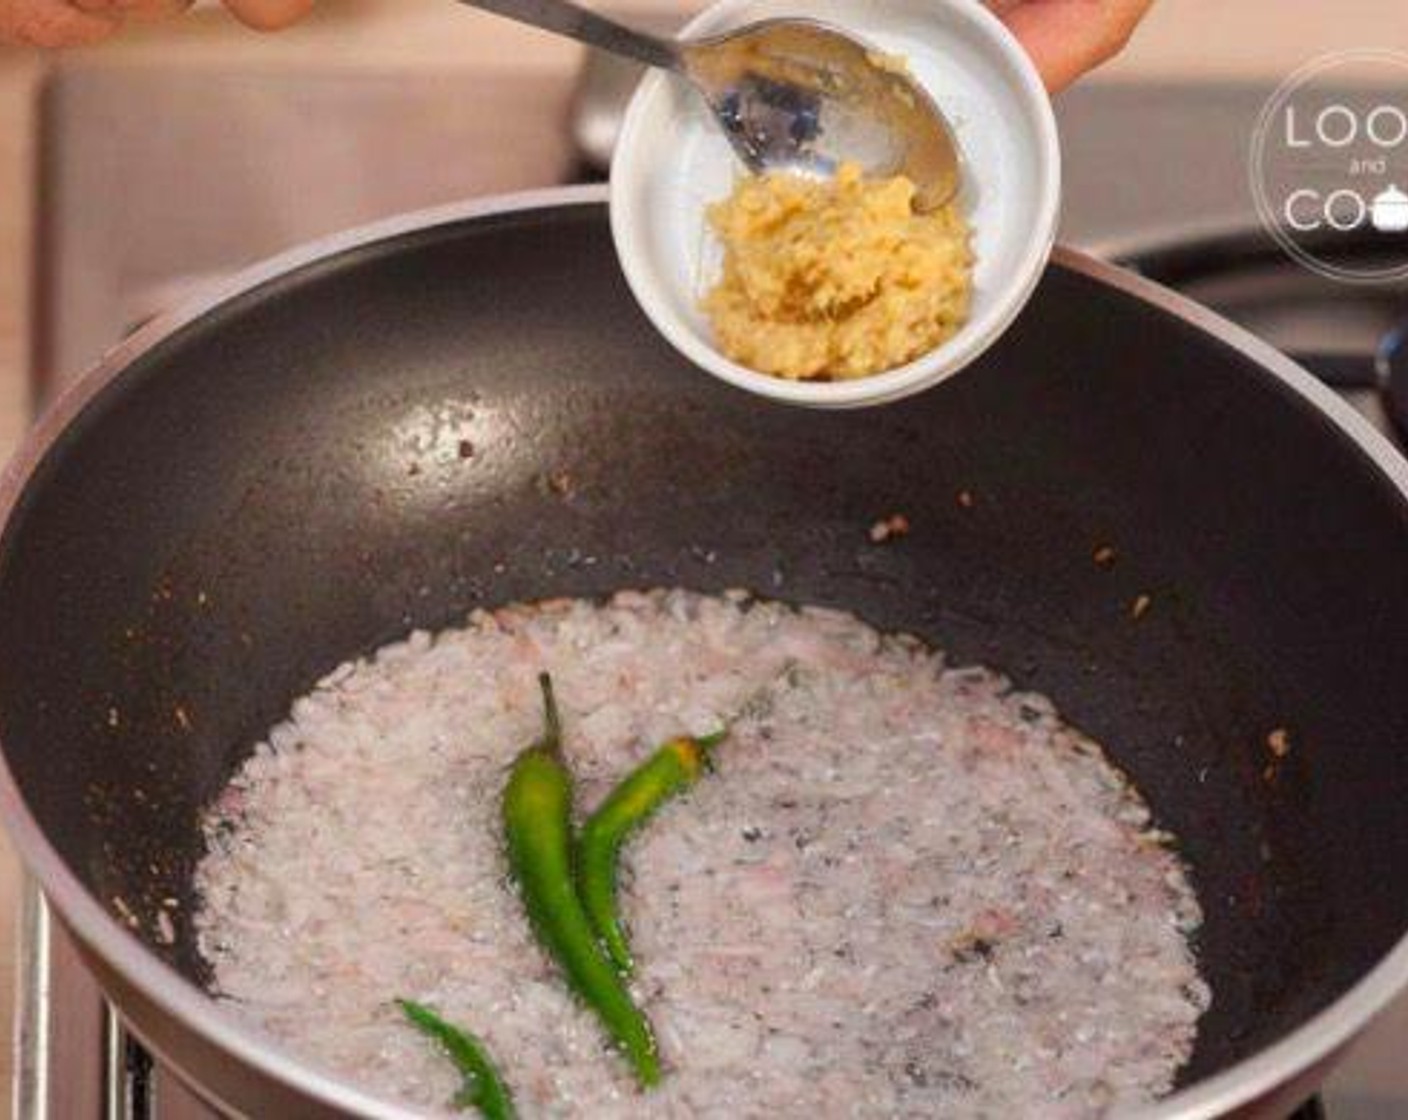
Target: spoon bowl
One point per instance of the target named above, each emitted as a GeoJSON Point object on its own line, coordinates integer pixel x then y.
{"type": "Point", "coordinates": [799, 95]}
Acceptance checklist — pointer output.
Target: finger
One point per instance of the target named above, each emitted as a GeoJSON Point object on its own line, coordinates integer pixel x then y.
{"type": "Point", "coordinates": [52, 23]}
{"type": "Point", "coordinates": [136, 9]}
{"type": "Point", "coordinates": [269, 15]}
{"type": "Point", "coordinates": [1065, 38]}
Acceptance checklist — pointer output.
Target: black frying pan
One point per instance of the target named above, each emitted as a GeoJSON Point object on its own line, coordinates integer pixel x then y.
{"type": "Point", "coordinates": [362, 439]}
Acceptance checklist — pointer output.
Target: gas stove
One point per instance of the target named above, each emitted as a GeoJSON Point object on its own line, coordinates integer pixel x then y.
{"type": "Point", "coordinates": [106, 269]}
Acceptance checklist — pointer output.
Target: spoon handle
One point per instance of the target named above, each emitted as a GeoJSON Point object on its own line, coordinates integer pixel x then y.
{"type": "Point", "coordinates": [563, 18]}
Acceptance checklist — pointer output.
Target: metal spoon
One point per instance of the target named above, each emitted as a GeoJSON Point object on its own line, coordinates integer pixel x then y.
{"type": "Point", "coordinates": [790, 94]}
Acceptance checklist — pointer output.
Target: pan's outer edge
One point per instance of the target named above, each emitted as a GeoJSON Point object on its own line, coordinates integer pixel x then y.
{"type": "Point", "coordinates": [1243, 1084]}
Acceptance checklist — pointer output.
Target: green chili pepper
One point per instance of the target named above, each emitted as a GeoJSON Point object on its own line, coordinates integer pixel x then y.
{"type": "Point", "coordinates": [537, 812]}
{"type": "Point", "coordinates": [483, 1087]}
{"type": "Point", "coordinates": [672, 769]}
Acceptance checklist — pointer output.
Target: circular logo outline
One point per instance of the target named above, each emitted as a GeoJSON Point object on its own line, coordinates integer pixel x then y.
{"type": "Point", "coordinates": [1267, 213]}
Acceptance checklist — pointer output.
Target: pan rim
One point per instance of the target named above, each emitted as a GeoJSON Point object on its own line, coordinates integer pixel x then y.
{"type": "Point", "coordinates": [173, 994]}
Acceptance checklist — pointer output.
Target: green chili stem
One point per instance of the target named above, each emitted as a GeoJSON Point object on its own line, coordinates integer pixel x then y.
{"type": "Point", "coordinates": [552, 718]}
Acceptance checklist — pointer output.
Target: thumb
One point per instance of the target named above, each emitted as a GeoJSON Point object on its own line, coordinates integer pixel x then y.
{"type": "Point", "coordinates": [1065, 38]}
{"type": "Point", "coordinates": [269, 15]}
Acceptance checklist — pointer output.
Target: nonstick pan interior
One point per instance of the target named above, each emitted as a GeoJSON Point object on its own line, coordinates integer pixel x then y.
{"type": "Point", "coordinates": [477, 413]}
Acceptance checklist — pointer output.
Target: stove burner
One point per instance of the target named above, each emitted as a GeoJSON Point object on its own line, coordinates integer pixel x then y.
{"type": "Point", "coordinates": [1385, 372]}
{"type": "Point", "coordinates": [1352, 337]}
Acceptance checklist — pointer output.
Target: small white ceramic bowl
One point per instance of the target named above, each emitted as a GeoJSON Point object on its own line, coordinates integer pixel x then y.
{"type": "Point", "coordinates": [672, 161]}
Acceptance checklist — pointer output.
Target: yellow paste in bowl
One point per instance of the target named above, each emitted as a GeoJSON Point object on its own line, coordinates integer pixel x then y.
{"type": "Point", "coordinates": [836, 278]}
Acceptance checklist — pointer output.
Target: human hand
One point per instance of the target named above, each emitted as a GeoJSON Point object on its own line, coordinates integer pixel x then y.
{"type": "Point", "coordinates": [74, 23]}
{"type": "Point", "coordinates": [1068, 37]}
{"type": "Point", "coordinates": [1064, 37]}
